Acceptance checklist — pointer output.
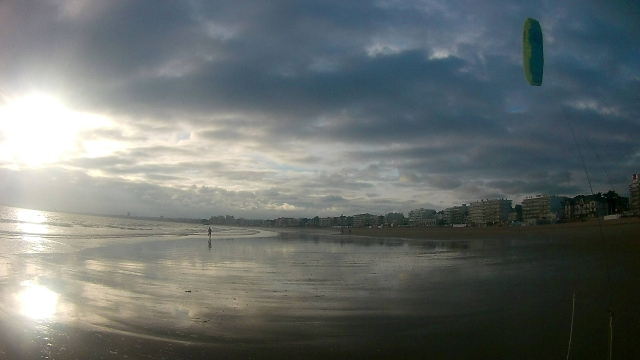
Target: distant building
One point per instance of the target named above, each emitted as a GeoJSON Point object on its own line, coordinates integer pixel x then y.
{"type": "Point", "coordinates": [634, 195]}
{"type": "Point", "coordinates": [516, 214]}
{"type": "Point", "coordinates": [377, 220]}
{"type": "Point", "coordinates": [217, 220]}
{"type": "Point", "coordinates": [585, 206]}
{"type": "Point", "coordinates": [394, 219]}
{"type": "Point", "coordinates": [455, 215]}
{"type": "Point", "coordinates": [349, 221]}
{"type": "Point", "coordinates": [489, 212]}
{"type": "Point", "coordinates": [545, 208]}
{"type": "Point", "coordinates": [362, 220]}
{"type": "Point", "coordinates": [460, 214]}
{"type": "Point", "coordinates": [326, 222]}
{"type": "Point", "coordinates": [342, 221]}
{"type": "Point", "coordinates": [283, 221]}
{"type": "Point", "coordinates": [418, 215]}
{"type": "Point", "coordinates": [428, 222]}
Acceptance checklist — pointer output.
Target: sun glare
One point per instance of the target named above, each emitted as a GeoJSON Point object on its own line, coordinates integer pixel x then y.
{"type": "Point", "coordinates": [36, 130]}
{"type": "Point", "coordinates": [37, 302]}
{"type": "Point", "coordinates": [31, 216]}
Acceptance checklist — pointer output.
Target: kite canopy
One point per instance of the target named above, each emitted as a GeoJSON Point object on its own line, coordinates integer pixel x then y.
{"type": "Point", "coordinates": [533, 57]}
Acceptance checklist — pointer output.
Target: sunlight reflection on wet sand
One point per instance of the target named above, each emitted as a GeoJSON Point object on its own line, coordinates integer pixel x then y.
{"type": "Point", "coordinates": [36, 301]}
{"type": "Point", "coordinates": [177, 284]}
{"type": "Point", "coordinates": [295, 289]}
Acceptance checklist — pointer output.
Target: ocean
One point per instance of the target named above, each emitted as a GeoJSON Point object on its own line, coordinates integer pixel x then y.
{"type": "Point", "coordinates": [77, 286]}
{"type": "Point", "coordinates": [34, 231]}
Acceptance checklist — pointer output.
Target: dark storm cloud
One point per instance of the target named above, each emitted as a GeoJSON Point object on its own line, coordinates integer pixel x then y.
{"type": "Point", "coordinates": [332, 199]}
{"type": "Point", "coordinates": [348, 106]}
{"type": "Point", "coordinates": [334, 181]}
{"type": "Point", "coordinates": [527, 187]}
{"type": "Point", "coordinates": [444, 182]}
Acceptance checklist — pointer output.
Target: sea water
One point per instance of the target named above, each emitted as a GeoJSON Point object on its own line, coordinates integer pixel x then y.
{"type": "Point", "coordinates": [34, 231]}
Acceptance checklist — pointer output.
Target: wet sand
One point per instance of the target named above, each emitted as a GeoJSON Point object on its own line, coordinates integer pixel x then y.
{"type": "Point", "coordinates": [499, 293]}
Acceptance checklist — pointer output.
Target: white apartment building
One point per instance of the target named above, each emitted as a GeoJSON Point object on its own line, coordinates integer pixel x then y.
{"type": "Point", "coordinates": [487, 212]}
{"type": "Point", "coordinates": [543, 207]}
{"type": "Point", "coordinates": [418, 215]}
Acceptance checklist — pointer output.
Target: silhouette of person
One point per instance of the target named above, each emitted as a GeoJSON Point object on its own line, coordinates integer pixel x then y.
{"type": "Point", "coordinates": [209, 234]}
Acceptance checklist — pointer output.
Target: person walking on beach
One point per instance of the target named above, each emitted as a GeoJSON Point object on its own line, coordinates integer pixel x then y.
{"type": "Point", "coordinates": [209, 233]}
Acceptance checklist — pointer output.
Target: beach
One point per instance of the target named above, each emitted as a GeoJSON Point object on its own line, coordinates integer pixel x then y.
{"type": "Point", "coordinates": [624, 228]}
{"type": "Point", "coordinates": [498, 293]}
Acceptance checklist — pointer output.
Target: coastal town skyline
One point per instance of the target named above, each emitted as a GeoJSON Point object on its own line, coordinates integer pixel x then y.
{"type": "Point", "coordinates": [534, 210]}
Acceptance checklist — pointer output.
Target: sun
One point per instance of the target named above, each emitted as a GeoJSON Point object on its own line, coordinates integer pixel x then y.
{"type": "Point", "coordinates": [36, 130]}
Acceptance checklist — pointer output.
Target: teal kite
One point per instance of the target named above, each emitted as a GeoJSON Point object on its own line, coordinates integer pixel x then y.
{"type": "Point", "coordinates": [532, 55]}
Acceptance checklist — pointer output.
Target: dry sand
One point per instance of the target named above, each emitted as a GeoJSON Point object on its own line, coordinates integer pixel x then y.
{"type": "Point", "coordinates": [628, 228]}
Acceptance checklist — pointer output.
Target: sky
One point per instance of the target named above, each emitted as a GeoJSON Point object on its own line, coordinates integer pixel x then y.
{"type": "Point", "coordinates": [262, 109]}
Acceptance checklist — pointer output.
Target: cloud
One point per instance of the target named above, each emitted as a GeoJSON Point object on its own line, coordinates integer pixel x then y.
{"type": "Point", "coordinates": [332, 199]}
{"type": "Point", "coordinates": [311, 108]}
{"type": "Point", "coordinates": [409, 178]}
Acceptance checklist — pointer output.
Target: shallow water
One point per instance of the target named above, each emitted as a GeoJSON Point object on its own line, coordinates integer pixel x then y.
{"type": "Point", "coordinates": [33, 231]}
{"type": "Point", "coordinates": [313, 295]}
